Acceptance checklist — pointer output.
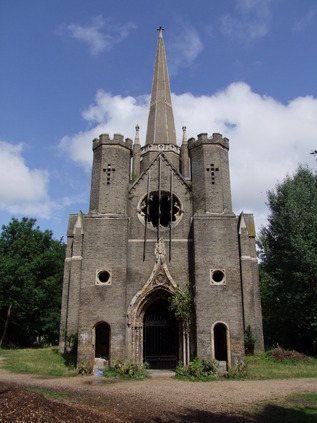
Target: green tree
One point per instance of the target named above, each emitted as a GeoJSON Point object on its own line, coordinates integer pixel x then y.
{"type": "Point", "coordinates": [288, 269]}
{"type": "Point", "coordinates": [31, 272]}
{"type": "Point", "coordinates": [182, 303]}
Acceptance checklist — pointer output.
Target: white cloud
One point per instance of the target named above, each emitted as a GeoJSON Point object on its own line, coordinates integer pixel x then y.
{"type": "Point", "coordinates": [268, 139]}
{"type": "Point", "coordinates": [24, 191]}
{"type": "Point", "coordinates": [250, 23]}
{"type": "Point", "coordinates": [111, 114]}
{"type": "Point", "coordinates": [305, 20]}
{"type": "Point", "coordinates": [184, 49]}
{"type": "Point", "coordinates": [100, 35]}
{"type": "Point", "coordinates": [17, 181]}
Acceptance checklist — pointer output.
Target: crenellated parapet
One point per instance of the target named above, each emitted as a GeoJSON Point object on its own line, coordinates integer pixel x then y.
{"type": "Point", "coordinates": [118, 139]}
{"type": "Point", "coordinates": [204, 139]}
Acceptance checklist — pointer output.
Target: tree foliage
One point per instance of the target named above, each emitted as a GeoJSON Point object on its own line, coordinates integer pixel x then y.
{"type": "Point", "coordinates": [31, 272]}
{"type": "Point", "coordinates": [288, 250]}
{"type": "Point", "coordinates": [182, 303]}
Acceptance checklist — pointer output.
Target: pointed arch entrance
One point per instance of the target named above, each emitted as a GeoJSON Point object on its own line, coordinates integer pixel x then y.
{"type": "Point", "coordinates": [153, 332]}
{"type": "Point", "coordinates": [160, 336]}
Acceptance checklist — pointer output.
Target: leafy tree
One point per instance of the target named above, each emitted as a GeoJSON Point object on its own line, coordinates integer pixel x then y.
{"type": "Point", "coordinates": [182, 303]}
{"type": "Point", "coordinates": [31, 271]}
{"type": "Point", "coordinates": [288, 250]}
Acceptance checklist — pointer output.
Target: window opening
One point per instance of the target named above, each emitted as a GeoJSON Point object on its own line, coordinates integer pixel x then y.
{"type": "Point", "coordinates": [220, 339]}
{"type": "Point", "coordinates": [103, 277]}
{"type": "Point", "coordinates": [212, 169]}
{"type": "Point", "coordinates": [166, 206]}
{"type": "Point", "coordinates": [109, 169]}
{"type": "Point", "coordinates": [217, 276]}
{"type": "Point", "coordinates": [102, 341]}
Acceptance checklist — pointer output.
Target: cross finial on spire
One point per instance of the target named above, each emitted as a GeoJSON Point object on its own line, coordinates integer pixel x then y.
{"type": "Point", "coordinates": [160, 29]}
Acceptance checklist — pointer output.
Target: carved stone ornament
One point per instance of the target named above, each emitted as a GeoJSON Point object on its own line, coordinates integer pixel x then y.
{"type": "Point", "coordinates": [160, 278]}
{"type": "Point", "coordinates": [160, 251]}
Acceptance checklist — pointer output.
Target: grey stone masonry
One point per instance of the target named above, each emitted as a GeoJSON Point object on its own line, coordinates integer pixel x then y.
{"type": "Point", "coordinates": [110, 174]}
{"type": "Point", "coordinates": [210, 174]}
{"type": "Point", "coordinates": [250, 278]}
{"type": "Point", "coordinates": [164, 226]}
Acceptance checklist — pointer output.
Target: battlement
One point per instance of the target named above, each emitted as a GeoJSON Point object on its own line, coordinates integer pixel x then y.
{"type": "Point", "coordinates": [104, 139]}
{"type": "Point", "coordinates": [203, 138]}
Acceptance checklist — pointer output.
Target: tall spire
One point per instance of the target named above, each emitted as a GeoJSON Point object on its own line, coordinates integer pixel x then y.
{"type": "Point", "coordinates": [161, 126]}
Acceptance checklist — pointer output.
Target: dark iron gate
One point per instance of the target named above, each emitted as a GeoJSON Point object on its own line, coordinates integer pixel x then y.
{"type": "Point", "coordinates": [160, 337]}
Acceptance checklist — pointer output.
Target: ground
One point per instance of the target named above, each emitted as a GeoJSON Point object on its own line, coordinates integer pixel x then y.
{"type": "Point", "coordinates": [161, 399]}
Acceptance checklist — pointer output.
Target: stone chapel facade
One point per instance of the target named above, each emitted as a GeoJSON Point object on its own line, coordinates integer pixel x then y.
{"type": "Point", "coordinates": [167, 220]}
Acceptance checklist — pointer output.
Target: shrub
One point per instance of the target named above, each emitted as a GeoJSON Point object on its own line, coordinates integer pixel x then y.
{"type": "Point", "coordinates": [279, 354]}
{"type": "Point", "coordinates": [238, 372]}
{"type": "Point", "coordinates": [198, 370]}
{"type": "Point", "coordinates": [84, 369]}
{"type": "Point", "coordinates": [249, 341]}
{"type": "Point", "coordinates": [127, 369]}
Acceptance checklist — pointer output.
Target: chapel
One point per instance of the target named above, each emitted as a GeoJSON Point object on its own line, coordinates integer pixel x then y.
{"type": "Point", "coordinates": [160, 220]}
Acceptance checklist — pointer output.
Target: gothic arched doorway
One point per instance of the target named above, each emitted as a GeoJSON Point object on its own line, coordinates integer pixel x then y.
{"type": "Point", "coordinates": [102, 341]}
{"type": "Point", "coordinates": [160, 336]}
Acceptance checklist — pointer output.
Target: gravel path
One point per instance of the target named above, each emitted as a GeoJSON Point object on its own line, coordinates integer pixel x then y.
{"type": "Point", "coordinates": [165, 399]}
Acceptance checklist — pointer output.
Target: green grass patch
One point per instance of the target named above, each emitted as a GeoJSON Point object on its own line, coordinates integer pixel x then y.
{"type": "Point", "coordinates": [262, 366]}
{"type": "Point", "coordinates": [300, 408]}
{"type": "Point", "coordinates": [40, 361]}
{"type": "Point", "coordinates": [51, 394]}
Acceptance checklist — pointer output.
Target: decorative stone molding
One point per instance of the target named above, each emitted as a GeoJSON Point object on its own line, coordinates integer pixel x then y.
{"type": "Point", "coordinates": [159, 284]}
{"type": "Point", "coordinates": [160, 147]}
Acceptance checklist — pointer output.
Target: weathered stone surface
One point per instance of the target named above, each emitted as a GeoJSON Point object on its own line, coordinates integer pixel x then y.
{"type": "Point", "coordinates": [119, 261]}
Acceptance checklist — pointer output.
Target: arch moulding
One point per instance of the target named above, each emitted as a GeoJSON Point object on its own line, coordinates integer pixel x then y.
{"type": "Point", "coordinates": [160, 285]}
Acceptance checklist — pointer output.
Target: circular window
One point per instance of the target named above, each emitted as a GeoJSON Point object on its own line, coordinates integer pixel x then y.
{"type": "Point", "coordinates": [103, 277]}
{"type": "Point", "coordinates": [156, 209]}
{"type": "Point", "coordinates": [217, 276]}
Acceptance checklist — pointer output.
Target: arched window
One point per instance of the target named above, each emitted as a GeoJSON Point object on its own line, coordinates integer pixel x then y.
{"type": "Point", "coordinates": [220, 342]}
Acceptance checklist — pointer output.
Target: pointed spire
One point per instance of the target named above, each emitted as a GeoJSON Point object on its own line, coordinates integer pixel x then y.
{"type": "Point", "coordinates": [161, 126]}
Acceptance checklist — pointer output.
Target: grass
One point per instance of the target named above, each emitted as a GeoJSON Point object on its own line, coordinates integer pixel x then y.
{"type": "Point", "coordinates": [301, 408]}
{"type": "Point", "coordinates": [51, 394]}
{"type": "Point", "coordinates": [264, 367]}
{"type": "Point", "coordinates": [47, 361]}
{"type": "Point", "coordinates": [40, 361]}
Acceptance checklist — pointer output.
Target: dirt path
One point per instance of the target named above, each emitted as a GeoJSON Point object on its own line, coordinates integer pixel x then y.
{"type": "Point", "coordinates": [161, 398]}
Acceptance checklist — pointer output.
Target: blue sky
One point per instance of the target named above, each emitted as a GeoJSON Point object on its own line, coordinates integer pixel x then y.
{"type": "Point", "coordinates": [73, 69]}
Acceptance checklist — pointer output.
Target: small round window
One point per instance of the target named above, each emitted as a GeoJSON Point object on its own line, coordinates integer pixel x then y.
{"type": "Point", "coordinates": [103, 277]}
{"type": "Point", "coordinates": [160, 209]}
{"type": "Point", "coordinates": [217, 277]}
